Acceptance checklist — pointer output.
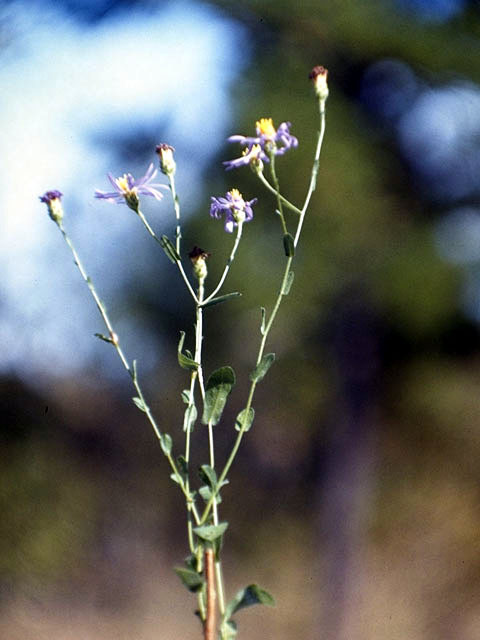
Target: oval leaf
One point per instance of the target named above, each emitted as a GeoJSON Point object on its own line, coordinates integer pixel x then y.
{"type": "Point", "coordinates": [244, 421]}
{"type": "Point", "coordinates": [211, 532]}
{"type": "Point", "coordinates": [247, 597]}
{"type": "Point", "coordinates": [208, 475]}
{"type": "Point", "coordinates": [262, 367]}
{"type": "Point", "coordinates": [166, 443]}
{"type": "Point", "coordinates": [140, 404]}
{"type": "Point", "coordinates": [288, 284]}
{"type": "Point", "coordinates": [218, 386]}
{"type": "Point", "coordinates": [191, 579]}
{"type": "Point", "coordinates": [189, 418]}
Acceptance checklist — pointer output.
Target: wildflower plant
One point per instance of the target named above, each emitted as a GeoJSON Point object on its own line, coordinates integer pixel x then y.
{"type": "Point", "coordinates": [205, 399]}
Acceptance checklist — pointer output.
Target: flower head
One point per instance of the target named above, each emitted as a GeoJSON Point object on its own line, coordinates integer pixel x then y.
{"type": "Point", "coordinates": [54, 204]}
{"type": "Point", "coordinates": [270, 141]}
{"type": "Point", "coordinates": [127, 189]}
{"type": "Point", "coordinates": [198, 258]}
{"type": "Point", "coordinates": [165, 155]}
{"type": "Point", "coordinates": [236, 209]}
{"type": "Point", "coordinates": [319, 75]}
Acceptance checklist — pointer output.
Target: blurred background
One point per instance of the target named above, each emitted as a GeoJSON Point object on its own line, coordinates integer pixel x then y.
{"type": "Point", "coordinates": [363, 459]}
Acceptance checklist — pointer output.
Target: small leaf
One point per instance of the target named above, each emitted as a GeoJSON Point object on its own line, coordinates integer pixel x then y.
{"type": "Point", "coordinates": [247, 597]}
{"type": "Point", "coordinates": [190, 578]}
{"type": "Point", "coordinates": [184, 361]}
{"type": "Point", "coordinates": [208, 475]}
{"type": "Point", "coordinates": [211, 532]}
{"type": "Point", "coordinates": [166, 443]}
{"type": "Point", "coordinates": [228, 630]}
{"type": "Point", "coordinates": [289, 245]}
{"type": "Point", "coordinates": [169, 249]}
{"type": "Point", "coordinates": [140, 404]}
{"type": "Point", "coordinates": [262, 326]}
{"type": "Point", "coordinates": [220, 299]}
{"type": "Point", "coordinates": [262, 367]}
{"type": "Point", "coordinates": [186, 396]}
{"type": "Point", "coordinates": [189, 418]}
{"type": "Point", "coordinates": [175, 478]}
{"type": "Point", "coordinates": [217, 389]}
{"type": "Point", "coordinates": [206, 494]}
{"type": "Point", "coordinates": [102, 337]}
{"type": "Point", "coordinates": [244, 421]}
{"type": "Point", "coordinates": [288, 284]}
{"type": "Point", "coordinates": [182, 467]}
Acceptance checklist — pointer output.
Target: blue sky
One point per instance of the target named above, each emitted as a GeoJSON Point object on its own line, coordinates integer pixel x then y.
{"type": "Point", "coordinates": [70, 87]}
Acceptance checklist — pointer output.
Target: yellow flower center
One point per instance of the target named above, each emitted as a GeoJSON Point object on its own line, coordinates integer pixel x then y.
{"type": "Point", "coordinates": [265, 127]}
{"type": "Point", "coordinates": [122, 183]}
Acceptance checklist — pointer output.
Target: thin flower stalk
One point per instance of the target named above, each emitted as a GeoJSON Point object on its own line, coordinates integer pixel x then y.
{"type": "Point", "coordinates": [230, 260]}
{"type": "Point", "coordinates": [268, 327]}
{"type": "Point", "coordinates": [113, 339]}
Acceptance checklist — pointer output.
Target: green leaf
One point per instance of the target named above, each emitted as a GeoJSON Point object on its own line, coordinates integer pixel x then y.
{"type": "Point", "coordinates": [169, 249]}
{"type": "Point", "coordinates": [247, 597]}
{"type": "Point", "coordinates": [175, 478]}
{"type": "Point", "coordinates": [100, 336]}
{"type": "Point", "coordinates": [289, 245]}
{"type": "Point", "coordinates": [166, 443]}
{"type": "Point", "coordinates": [189, 418]}
{"type": "Point", "coordinates": [140, 404]}
{"type": "Point", "coordinates": [182, 467]}
{"type": "Point", "coordinates": [218, 386]}
{"type": "Point", "coordinates": [228, 630]}
{"type": "Point", "coordinates": [208, 475]}
{"type": "Point", "coordinates": [186, 362]}
{"type": "Point", "coordinates": [206, 493]}
{"type": "Point", "coordinates": [244, 419]}
{"type": "Point", "coordinates": [262, 326]}
{"type": "Point", "coordinates": [186, 396]}
{"type": "Point", "coordinates": [262, 367]}
{"type": "Point", "coordinates": [211, 532]}
{"type": "Point", "coordinates": [220, 299]}
{"type": "Point", "coordinates": [191, 579]}
{"type": "Point", "coordinates": [288, 284]}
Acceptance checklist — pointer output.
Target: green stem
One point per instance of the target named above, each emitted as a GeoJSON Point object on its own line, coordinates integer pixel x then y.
{"type": "Point", "coordinates": [277, 193]}
{"type": "Point", "coordinates": [286, 202]}
{"type": "Point", "coordinates": [176, 206]}
{"type": "Point", "coordinates": [313, 177]}
{"type": "Point", "coordinates": [177, 262]}
{"type": "Point", "coordinates": [130, 370]}
{"type": "Point", "coordinates": [273, 315]}
{"type": "Point", "coordinates": [229, 262]}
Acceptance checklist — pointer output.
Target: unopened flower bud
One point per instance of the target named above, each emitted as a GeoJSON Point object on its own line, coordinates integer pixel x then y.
{"type": "Point", "coordinates": [199, 257]}
{"type": "Point", "coordinates": [165, 155]}
{"type": "Point", "coordinates": [54, 205]}
{"type": "Point", "coordinates": [319, 77]}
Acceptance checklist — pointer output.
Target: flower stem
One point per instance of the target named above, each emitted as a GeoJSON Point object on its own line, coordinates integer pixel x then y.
{"type": "Point", "coordinates": [281, 295]}
{"type": "Point", "coordinates": [277, 193]}
{"type": "Point", "coordinates": [131, 370]}
{"type": "Point", "coordinates": [228, 264]}
{"type": "Point", "coordinates": [177, 262]}
{"type": "Point", "coordinates": [286, 202]}
{"type": "Point", "coordinates": [313, 178]}
{"type": "Point", "coordinates": [176, 206]}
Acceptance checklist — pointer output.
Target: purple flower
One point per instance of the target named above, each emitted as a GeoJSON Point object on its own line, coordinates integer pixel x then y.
{"type": "Point", "coordinates": [236, 210]}
{"type": "Point", "coordinates": [268, 140]}
{"type": "Point", "coordinates": [54, 204]}
{"type": "Point", "coordinates": [127, 189]}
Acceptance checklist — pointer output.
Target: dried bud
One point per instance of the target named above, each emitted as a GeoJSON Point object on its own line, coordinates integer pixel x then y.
{"type": "Point", "coordinates": [165, 155]}
{"type": "Point", "coordinates": [319, 77]}
{"type": "Point", "coordinates": [54, 205]}
{"type": "Point", "coordinates": [198, 257]}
